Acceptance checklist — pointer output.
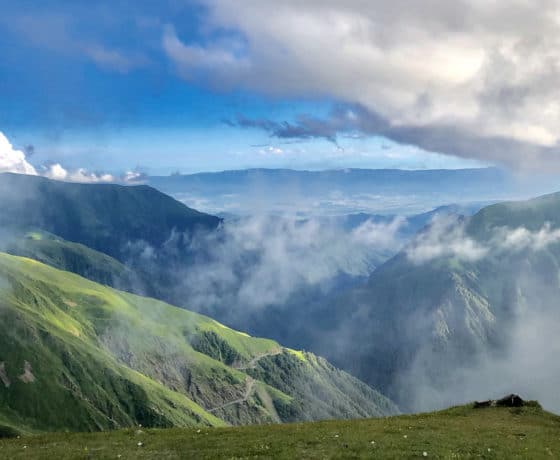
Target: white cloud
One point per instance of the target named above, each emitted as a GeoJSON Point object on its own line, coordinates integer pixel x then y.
{"type": "Point", "coordinates": [56, 172]}
{"type": "Point", "coordinates": [271, 150]}
{"type": "Point", "coordinates": [15, 161]}
{"type": "Point", "coordinates": [133, 177]}
{"type": "Point", "coordinates": [489, 69]}
{"type": "Point", "coordinates": [113, 59]}
{"type": "Point", "coordinates": [262, 260]}
{"type": "Point", "coordinates": [81, 175]}
{"type": "Point", "coordinates": [12, 160]}
{"type": "Point", "coordinates": [378, 235]}
{"type": "Point", "coordinates": [446, 237]}
{"type": "Point", "coordinates": [57, 32]}
{"type": "Point", "coordinates": [521, 238]}
{"type": "Point", "coordinates": [194, 60]}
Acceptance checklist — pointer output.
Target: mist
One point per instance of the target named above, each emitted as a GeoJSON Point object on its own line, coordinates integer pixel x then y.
{"type": "Point", "coordinates": [263, 261]}
{"type": "Point", "coordinates": [526, 367]}
{"type": "Point", "coordinates": [517, 348]}
{"type": "Point", "coordinates": [294, 280]}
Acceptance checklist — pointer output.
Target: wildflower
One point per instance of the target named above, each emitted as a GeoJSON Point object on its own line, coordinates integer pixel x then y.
{"type": "Point", "coordinates": [424, 454]}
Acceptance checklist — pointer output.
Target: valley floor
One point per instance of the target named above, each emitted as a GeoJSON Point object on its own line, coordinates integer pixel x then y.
{"type": "Point", "coordinates": [461, 432]}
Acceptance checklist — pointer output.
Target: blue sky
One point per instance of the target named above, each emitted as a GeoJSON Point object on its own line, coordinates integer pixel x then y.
{"type": "Point", "coordinates": [192, 86]}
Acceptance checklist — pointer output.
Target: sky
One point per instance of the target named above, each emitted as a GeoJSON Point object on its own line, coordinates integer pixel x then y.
{"type": "Point", "coordinates": [92, 90]}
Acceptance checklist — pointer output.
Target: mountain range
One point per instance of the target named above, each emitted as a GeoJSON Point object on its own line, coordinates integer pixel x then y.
{"type": "Point", "coordinates": [79, 355]}
{"type": "Point", "coordinates": [453, 305]}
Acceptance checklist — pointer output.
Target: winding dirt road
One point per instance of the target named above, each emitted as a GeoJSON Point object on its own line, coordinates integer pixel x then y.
{"type": "Point", "coordinates": [249, 382]}
{"type": "Point", "coordinates": [253, 363]}
{"type": "Point", "coordinates": [249, 387]}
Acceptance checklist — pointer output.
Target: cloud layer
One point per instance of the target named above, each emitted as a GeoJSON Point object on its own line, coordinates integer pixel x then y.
{"type": "Point", "coordinates": [474, 79]}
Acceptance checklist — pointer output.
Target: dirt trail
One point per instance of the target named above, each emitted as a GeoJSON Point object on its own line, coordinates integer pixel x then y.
{"type": "Point", "coordinates": [249, 382]}
{"type": "Point", "coordinates": [253, 363]}
{"type": "Point", "coordinates": [249, 387]}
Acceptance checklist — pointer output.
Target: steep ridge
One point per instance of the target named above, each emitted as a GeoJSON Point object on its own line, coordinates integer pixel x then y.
{"type": "Point", "coordinates": [80, 356]}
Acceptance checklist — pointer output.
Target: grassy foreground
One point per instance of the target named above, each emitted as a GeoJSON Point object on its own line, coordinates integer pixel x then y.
{"type": "Point", "coordinates": [460, 432]}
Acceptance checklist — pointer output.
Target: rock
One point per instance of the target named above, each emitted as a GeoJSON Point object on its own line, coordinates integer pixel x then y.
{"type": "Point", "coordinates": [511, 400]}
{"type": "Point", "coordinates": [480, 404]}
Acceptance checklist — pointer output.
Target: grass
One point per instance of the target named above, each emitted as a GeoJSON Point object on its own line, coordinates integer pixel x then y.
{"type": "Point", "coordinates": [460, 433]}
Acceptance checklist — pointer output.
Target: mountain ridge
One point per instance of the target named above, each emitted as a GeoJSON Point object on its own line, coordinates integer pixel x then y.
{"type": "Point", "coordinates": [105, 217]}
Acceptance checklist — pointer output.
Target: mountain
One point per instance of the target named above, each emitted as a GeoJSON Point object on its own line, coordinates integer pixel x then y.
{"type": "Point", "coordinates": [344, 191]}
{"type": "Point", "coordinates": [104, 217]}
{"type": "Point", "coordinates": [323, 182]}
{"type": "Point", "coordinates": [75, 355]}
{"type": "Point", "coordinates": [458, 432]}
{"type": "Point", "coordinates": [158, 271]}
{"type": "Point", "coordinates": [464, 315]}
{"type": "Point", "coordinates": [411, 224]}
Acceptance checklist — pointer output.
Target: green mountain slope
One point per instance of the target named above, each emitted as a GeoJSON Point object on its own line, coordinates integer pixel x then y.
{"type": "Point", "coordinates": [105, 217]}
{"type": "Point", "coordinates": [80, 356]}
{"type": "Point", "coordinates": [73, 257]}
{"type": "Point", "coordinates": [459, 432]}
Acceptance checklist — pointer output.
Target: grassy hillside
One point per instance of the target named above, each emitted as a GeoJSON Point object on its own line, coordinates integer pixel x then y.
{"type": "Point", "coordinates": [460, 432]}
{"type": "Point", "coordinates": [80, 356]}
{"type": "Point", "coordinates": [73, 257]}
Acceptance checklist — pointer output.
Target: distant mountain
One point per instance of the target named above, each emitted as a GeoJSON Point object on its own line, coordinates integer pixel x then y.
{"type": "Point", "coordinates": [105, 217]}
{"type": "Point", "coordinates": [411, 224]}
{"type": "Point", "coordinates": [319, 182]}
{"type": "Point", "coordinates": [344, 191]}
{"type": "Point", "coordinates": [79, 356]}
